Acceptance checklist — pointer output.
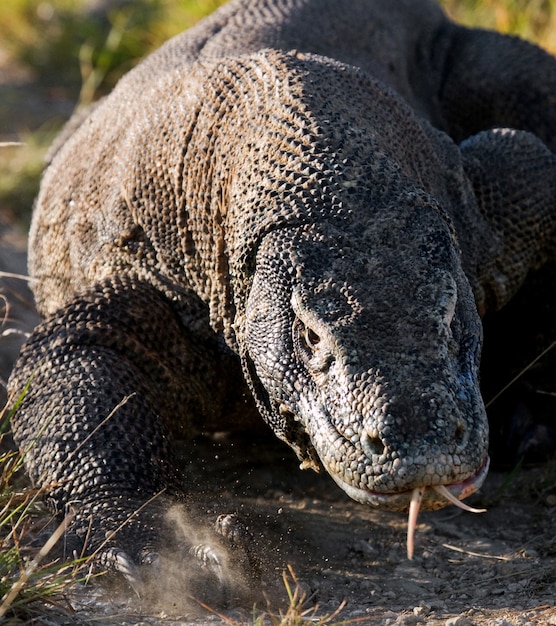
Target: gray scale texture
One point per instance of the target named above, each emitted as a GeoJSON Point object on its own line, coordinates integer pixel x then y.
{"type": "Point", "coordinates": [298, 209]}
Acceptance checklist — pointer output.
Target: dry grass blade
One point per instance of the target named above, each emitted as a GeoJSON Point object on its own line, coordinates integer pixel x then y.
{"type": "Point", "coordinates": [521, 373]}
{"type": "Point", "coordinates": [297, 612]}
{"type": "Point", "coordinates": [27, 279]}
{"type": "Point", "coordinates": [478, 554]}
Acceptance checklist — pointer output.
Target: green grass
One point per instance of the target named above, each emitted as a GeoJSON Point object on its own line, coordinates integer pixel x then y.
{"type": "Point", "coordinates": [76, 57]}
{"type": "Point", "coordinates": [534, 20]}
{"type": "Point", "coordinates": [62, 44]}
{"type": "Point", "coordinates": [21, 165]}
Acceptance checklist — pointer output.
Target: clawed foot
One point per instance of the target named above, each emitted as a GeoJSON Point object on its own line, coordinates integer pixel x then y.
{"type": "Point", "coordinates": [166, 559]}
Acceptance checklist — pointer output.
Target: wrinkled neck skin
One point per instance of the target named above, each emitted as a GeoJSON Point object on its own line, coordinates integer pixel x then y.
{"type": "Point", "coordinates": [363, 344]}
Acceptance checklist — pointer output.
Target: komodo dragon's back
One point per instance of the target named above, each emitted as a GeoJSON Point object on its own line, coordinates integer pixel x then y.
{"type": "Point", "coordinates": [316, 198]}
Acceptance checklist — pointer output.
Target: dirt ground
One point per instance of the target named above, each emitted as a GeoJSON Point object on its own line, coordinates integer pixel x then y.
{"type": "Point", "coordinates": [497, 568]}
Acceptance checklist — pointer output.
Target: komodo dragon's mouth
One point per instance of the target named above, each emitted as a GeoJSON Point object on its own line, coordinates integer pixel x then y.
{"type": "Point", "coordinates": [412, 498]}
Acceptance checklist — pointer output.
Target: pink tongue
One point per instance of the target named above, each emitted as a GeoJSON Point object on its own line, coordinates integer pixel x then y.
{"type": "Point", "coordinates": [415, 504]}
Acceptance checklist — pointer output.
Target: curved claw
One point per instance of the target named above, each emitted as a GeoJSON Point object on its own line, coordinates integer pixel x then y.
{"type": "Point", "coordinates": [208, 559]}
{"type": "Point", "coordinates": [234, 530]}
{"type": "Point", "coordinates": [152, 560]}
{"type": "Point", "coordinates": [240, 539]}
{"type": "Point", "coordinates": [120, 562]}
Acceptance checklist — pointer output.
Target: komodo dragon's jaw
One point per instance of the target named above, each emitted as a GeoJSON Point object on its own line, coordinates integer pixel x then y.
{"type": "Point", "coordinates": [383, 381]}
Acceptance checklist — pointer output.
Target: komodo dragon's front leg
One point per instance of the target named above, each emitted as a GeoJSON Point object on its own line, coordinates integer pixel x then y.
{"type": "Point", "coordinates": [106, 377]}
{"type": "Point", "coordinates": [512, 177]}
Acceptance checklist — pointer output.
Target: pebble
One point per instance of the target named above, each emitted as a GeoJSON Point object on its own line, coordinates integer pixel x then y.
{"type": "Point", "coordinates": [551, 500]}
{"type": "Point", "coordinates": [409, 620]}
{"type": "Point", "coordinates": [368, 585]}
{"type": "Point", "coordinates": [438, 605]}
{"type": "Point", "coordinates": [389, 618]}
{"type": "Point", "coordinates": [460, 620]}
{"type": "Point", "coordinates": [530, 553]}
{"type": "Point", "coordinates": [421, 610]}
{"type": "Point", "coordinates": [364, 547]}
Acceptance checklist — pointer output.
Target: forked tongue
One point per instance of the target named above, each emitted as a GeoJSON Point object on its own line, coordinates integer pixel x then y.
{"type": "Point", "coordinates": [414, 505]}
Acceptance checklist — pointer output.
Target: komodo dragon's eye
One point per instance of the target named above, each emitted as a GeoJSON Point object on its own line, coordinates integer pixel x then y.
{"type": "Point", "coordinates": [311, 348]}
{"type": "Point", "coordinates": [310, 338]}
{"type": "Point", "coordinates": [305, 337]}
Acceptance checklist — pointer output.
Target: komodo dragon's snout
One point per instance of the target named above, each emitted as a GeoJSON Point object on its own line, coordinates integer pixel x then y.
{"type": "Point", "coordinates": [390, 402]}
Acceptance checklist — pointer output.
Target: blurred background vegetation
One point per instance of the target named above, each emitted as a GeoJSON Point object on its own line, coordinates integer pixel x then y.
{"type": "Point", "coordinates": [54, 54]}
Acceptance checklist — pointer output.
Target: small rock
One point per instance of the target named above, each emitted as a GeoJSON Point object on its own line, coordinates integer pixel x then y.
{"type": "Point", "coordinates": [460, 620]}
{"type": "Point", "coordinates": [369, 586]}
{"type": "Point", "coordinates": [530, 553]}
{"type": "Point", "coordinates": [409, 620]}
{"type": "Point", "coordinates": [421, 610]}
{"type": "Point", "coordinates": [393, 556]}
{"type": "Point", "coordinates": [438, 605]}
{"type": "Point", "coordinates": [363, 547]}
{"type": "Point", "coordinates": [551, 500]}
{"type": "Point", "coordinates": [389, 618]}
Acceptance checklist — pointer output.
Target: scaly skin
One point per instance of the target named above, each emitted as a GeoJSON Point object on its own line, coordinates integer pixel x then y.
{"type": "Point", "coordinates": [244, 211]}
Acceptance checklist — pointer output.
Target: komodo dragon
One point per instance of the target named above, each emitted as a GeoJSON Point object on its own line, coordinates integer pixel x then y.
{"type": "Point", "coordinates": [316, 198]}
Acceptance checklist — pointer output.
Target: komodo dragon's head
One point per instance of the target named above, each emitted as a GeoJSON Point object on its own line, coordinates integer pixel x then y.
{"type": "Point", "coordinates": [367, 355]}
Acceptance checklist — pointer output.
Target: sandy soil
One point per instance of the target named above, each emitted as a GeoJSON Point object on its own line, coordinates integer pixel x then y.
{"type": "Point", "coordinates": [497, 568]}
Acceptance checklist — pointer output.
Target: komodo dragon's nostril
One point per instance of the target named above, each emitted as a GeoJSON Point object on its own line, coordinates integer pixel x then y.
{"type": "Point", "coordinates": [372, 444]}
{"type": "Point", "coordinates": [461, 435]}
